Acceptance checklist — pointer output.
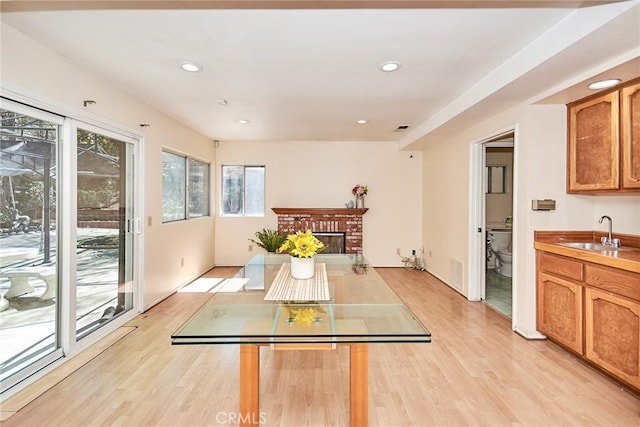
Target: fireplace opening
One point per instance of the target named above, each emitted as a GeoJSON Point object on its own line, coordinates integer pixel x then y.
{"type": "Point", "coordinates": [335, 242]}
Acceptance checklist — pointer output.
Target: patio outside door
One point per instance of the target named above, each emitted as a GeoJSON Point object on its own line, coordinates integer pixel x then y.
{"type": "Point", "coordinates": [104, 254]}
{"type": "Point", "coordinates": [29, 250]}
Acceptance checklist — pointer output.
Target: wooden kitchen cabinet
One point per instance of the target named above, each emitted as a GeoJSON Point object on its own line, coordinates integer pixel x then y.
{"type": "Point", "coordinates": [591, 309]}
{"type": "Point", "coordinates": [612, 334]}
{"type": "Point", "coordinates": [593, 144]}
{"type": "Point", "coordinates": [559, 299]}
{"type": "Point", "coordinates": [560, 310]}
{"type": "Point", "coordinates": [630, 132]}
{"type": "Point", "coordinates": [603, 142]}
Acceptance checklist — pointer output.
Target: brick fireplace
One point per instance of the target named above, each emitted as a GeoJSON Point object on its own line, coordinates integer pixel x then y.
{"type": "Point", "coordinates": [324, 220]}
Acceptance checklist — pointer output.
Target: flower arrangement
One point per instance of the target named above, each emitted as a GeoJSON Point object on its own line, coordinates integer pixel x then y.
{"type": "Point", "coordinates": [360, 190]}
{"type": "Point", "coordinates": [359, 266]}
{"type": "Point", "coordinates": [302, 245]}
{"type": "Point", "coordinates": [303, 314]}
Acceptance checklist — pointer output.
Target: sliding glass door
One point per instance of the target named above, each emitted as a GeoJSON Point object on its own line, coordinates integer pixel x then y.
{"type": "Point", "coordinates": [67, 237]}
{"type": "Point", "coordinates": [29, 302]}
{"type": "Point", "coordinates": [104, 254]}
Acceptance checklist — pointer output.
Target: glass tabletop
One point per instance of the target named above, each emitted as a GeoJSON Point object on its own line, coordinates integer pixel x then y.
{"type": "Point", "coordinates": [360, 308]}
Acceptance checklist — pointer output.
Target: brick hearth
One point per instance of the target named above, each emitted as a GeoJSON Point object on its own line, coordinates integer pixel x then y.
{"type": "Point", "coordinates": [348, 221]}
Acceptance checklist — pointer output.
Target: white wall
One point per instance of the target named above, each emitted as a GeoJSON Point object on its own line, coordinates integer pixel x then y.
{"type": "Point", "coordinates": [540, 161]}
{"type": "Point", "coordinates": [37, 72]}
{"type": "Point", "coordinates": [321, 175]}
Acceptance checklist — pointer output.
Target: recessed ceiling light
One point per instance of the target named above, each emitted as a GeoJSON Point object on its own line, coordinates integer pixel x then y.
{"type": "Point", "coordinates": [390, 66]}
{"type": "Point", "coordinates": [362, 121]}
{"type": "Point", "coordinates": [191, 67]}
{"type": "Point", "coordinates": [603, 84]}
{"type": "Point", "coordinates": [243, 121]}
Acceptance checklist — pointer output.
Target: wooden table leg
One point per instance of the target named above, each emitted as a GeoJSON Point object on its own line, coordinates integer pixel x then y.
{"type": "Point", "coordinates": [359, 384]}
{"type": "Point", "coordinates": [249, 384]}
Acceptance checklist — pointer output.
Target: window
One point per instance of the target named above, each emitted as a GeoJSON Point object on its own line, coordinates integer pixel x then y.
{"type": "Point", "coordinates": [185, 188]}
{"type": "Point", "coordinates": [242, 191]}
{"type": "Point", "coordinates": [198, 188]}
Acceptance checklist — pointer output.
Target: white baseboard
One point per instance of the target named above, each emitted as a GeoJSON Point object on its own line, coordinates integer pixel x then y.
{"type": "Point", "coordinates": [530, 335]}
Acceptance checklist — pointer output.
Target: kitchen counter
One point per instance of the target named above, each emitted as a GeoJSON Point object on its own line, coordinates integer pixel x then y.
{"type": "Point", "coordinates": [627, 259]}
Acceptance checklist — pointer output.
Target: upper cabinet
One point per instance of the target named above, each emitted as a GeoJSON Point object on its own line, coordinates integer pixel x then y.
{"type": "Point", "coordinates": [630, 122]}
{"type": "Point", "coordinates": [603, 143]}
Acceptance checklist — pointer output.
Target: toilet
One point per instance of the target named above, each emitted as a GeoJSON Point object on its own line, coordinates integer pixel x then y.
{"type": "Point", "coordinates": [500, 245]}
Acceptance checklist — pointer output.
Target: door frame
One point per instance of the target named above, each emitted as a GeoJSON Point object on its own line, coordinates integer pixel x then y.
{"type": "Point", "coordinates": [70, 180]}
{"type": "Point", "coordinates": [477, 218]}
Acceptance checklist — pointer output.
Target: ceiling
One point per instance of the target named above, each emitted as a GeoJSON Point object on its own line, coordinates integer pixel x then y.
{"type": "Point", "coordinates": [311, 71]}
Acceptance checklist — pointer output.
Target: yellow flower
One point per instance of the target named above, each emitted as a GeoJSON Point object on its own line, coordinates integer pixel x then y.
{"type": "Point", "coordinates": [304, 315]}
{"type": "Point", "coordinates": [302, 245]}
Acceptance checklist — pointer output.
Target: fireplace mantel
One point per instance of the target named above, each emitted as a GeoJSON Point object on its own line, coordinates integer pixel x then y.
{"type": "Point", "coordinates": [319, 211]}
{"type": "Point", "coordinates": [343, 220]}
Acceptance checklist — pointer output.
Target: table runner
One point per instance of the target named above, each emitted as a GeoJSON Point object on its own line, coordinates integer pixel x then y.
{"type": "Point", "coordinates": [286, 288]}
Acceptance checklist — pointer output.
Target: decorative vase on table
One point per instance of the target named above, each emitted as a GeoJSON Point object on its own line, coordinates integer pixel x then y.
{"type": "Point", "coordinates": [302, 247]}
{"type": "Point", "coordinates": [303, 268]}
{"type": "Point", "coordinates": [359, 202]}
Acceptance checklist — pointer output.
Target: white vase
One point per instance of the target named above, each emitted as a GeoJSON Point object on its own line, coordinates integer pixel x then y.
{"type": "Point", "coordinates": [303, 268]}
{"type": "Point", "coordinates": [360, 202]}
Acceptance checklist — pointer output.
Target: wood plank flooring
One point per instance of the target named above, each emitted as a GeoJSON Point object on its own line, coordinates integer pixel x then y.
{"type": "Point", "coordinates": [475, 372]}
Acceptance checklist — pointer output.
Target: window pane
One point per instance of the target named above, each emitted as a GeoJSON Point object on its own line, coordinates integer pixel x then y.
{"type": "Point", "coordinates": [198, 188]}
{"type": "Point", "coordinates": [28, 247]}
{"type": "Point", "coordinates": [173, 187]}
{"type": "Point", "coordinates": [254, 190]}
{"type": "Point", "coordinates": [232, 178]}
{"type": "Point", "coordinates": [105, 189]}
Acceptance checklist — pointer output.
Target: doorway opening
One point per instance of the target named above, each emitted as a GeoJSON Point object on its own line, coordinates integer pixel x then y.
{"type": "Point", "coordinates": [492, 259]}
{"type": "Point", "coordinates": [498, 156]}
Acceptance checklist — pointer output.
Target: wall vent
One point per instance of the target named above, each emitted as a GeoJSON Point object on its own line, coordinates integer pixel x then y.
{"type": "Point", "coordinates": [456, 273]}
{"type": "Point", "coordinates": [402, 128]}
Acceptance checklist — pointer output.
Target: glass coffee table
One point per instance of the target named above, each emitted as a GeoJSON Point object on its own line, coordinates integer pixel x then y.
{"type": "Point", "coordinates": [346, 304]}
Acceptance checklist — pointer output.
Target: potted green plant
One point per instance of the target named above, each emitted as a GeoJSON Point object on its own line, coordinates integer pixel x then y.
{"type": "Point", "coordinates": [269, 240]}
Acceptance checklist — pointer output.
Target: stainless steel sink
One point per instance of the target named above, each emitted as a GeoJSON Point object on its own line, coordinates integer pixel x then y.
{"type": "Point", "coordinates": [591, 246]}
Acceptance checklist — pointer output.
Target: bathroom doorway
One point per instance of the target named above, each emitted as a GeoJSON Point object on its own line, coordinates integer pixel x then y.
{"type": "Point", "coordinates": [491, 213]}
{"type": "Point", "coordinates": [498, 208]}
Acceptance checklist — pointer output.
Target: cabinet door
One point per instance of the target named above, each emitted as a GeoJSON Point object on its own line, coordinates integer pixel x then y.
{"type": "Point", "coordinates": [559, 314]}
{"type": "Point", "coordinates": [593, 144]}
{"type": "Point", "coordinates": [612, 338]}
{"type": "Point", "coordinates": [630, 120]}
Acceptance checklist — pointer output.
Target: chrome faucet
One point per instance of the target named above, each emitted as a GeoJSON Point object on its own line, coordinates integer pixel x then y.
{"type": "Point", "coordinates": [608, 241]}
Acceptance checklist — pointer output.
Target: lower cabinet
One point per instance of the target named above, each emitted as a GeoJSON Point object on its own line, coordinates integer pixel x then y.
{"type": "Point", "coordinates": [591, 310]}
{"type": "Point", "coordinates": [560, 310]}
{"type": "Point", "coordinates": [612, 334]}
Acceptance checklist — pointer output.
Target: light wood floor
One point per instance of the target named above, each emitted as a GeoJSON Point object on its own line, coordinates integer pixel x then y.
{"type": "Point", "coordinates": [475, 372]}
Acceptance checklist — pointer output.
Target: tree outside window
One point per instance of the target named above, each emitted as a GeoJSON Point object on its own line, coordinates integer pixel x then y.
{"type": "Point", "coordinates": [243, 191]}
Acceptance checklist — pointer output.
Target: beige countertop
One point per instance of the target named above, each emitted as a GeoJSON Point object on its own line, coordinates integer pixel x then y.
{"type": "Point", "coordinates": [627, 259]}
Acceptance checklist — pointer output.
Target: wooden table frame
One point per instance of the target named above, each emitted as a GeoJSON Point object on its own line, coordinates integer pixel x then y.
{"type": "Point", "coordinates": [358, 382]}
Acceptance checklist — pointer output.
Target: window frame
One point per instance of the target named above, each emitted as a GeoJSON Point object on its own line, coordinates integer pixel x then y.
{"type": "Point", "coordinates": [188, 163]}
{"type": "Point", "coordinates": [244, 214]}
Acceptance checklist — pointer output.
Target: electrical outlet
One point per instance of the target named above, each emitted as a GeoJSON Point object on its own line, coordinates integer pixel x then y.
{"type": "Point", "coordinates": [398, 251]}
{"type": "Point", "coordinates": [149, 221]}
{"type": "Point", "coordinates": [181, 262]}
{"type": "Point", "coordinates": [250, 248]}
{"type": "Point", "coordinates": [413, 252]}
{"type": "Point", "coordinates": [430, 255]}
